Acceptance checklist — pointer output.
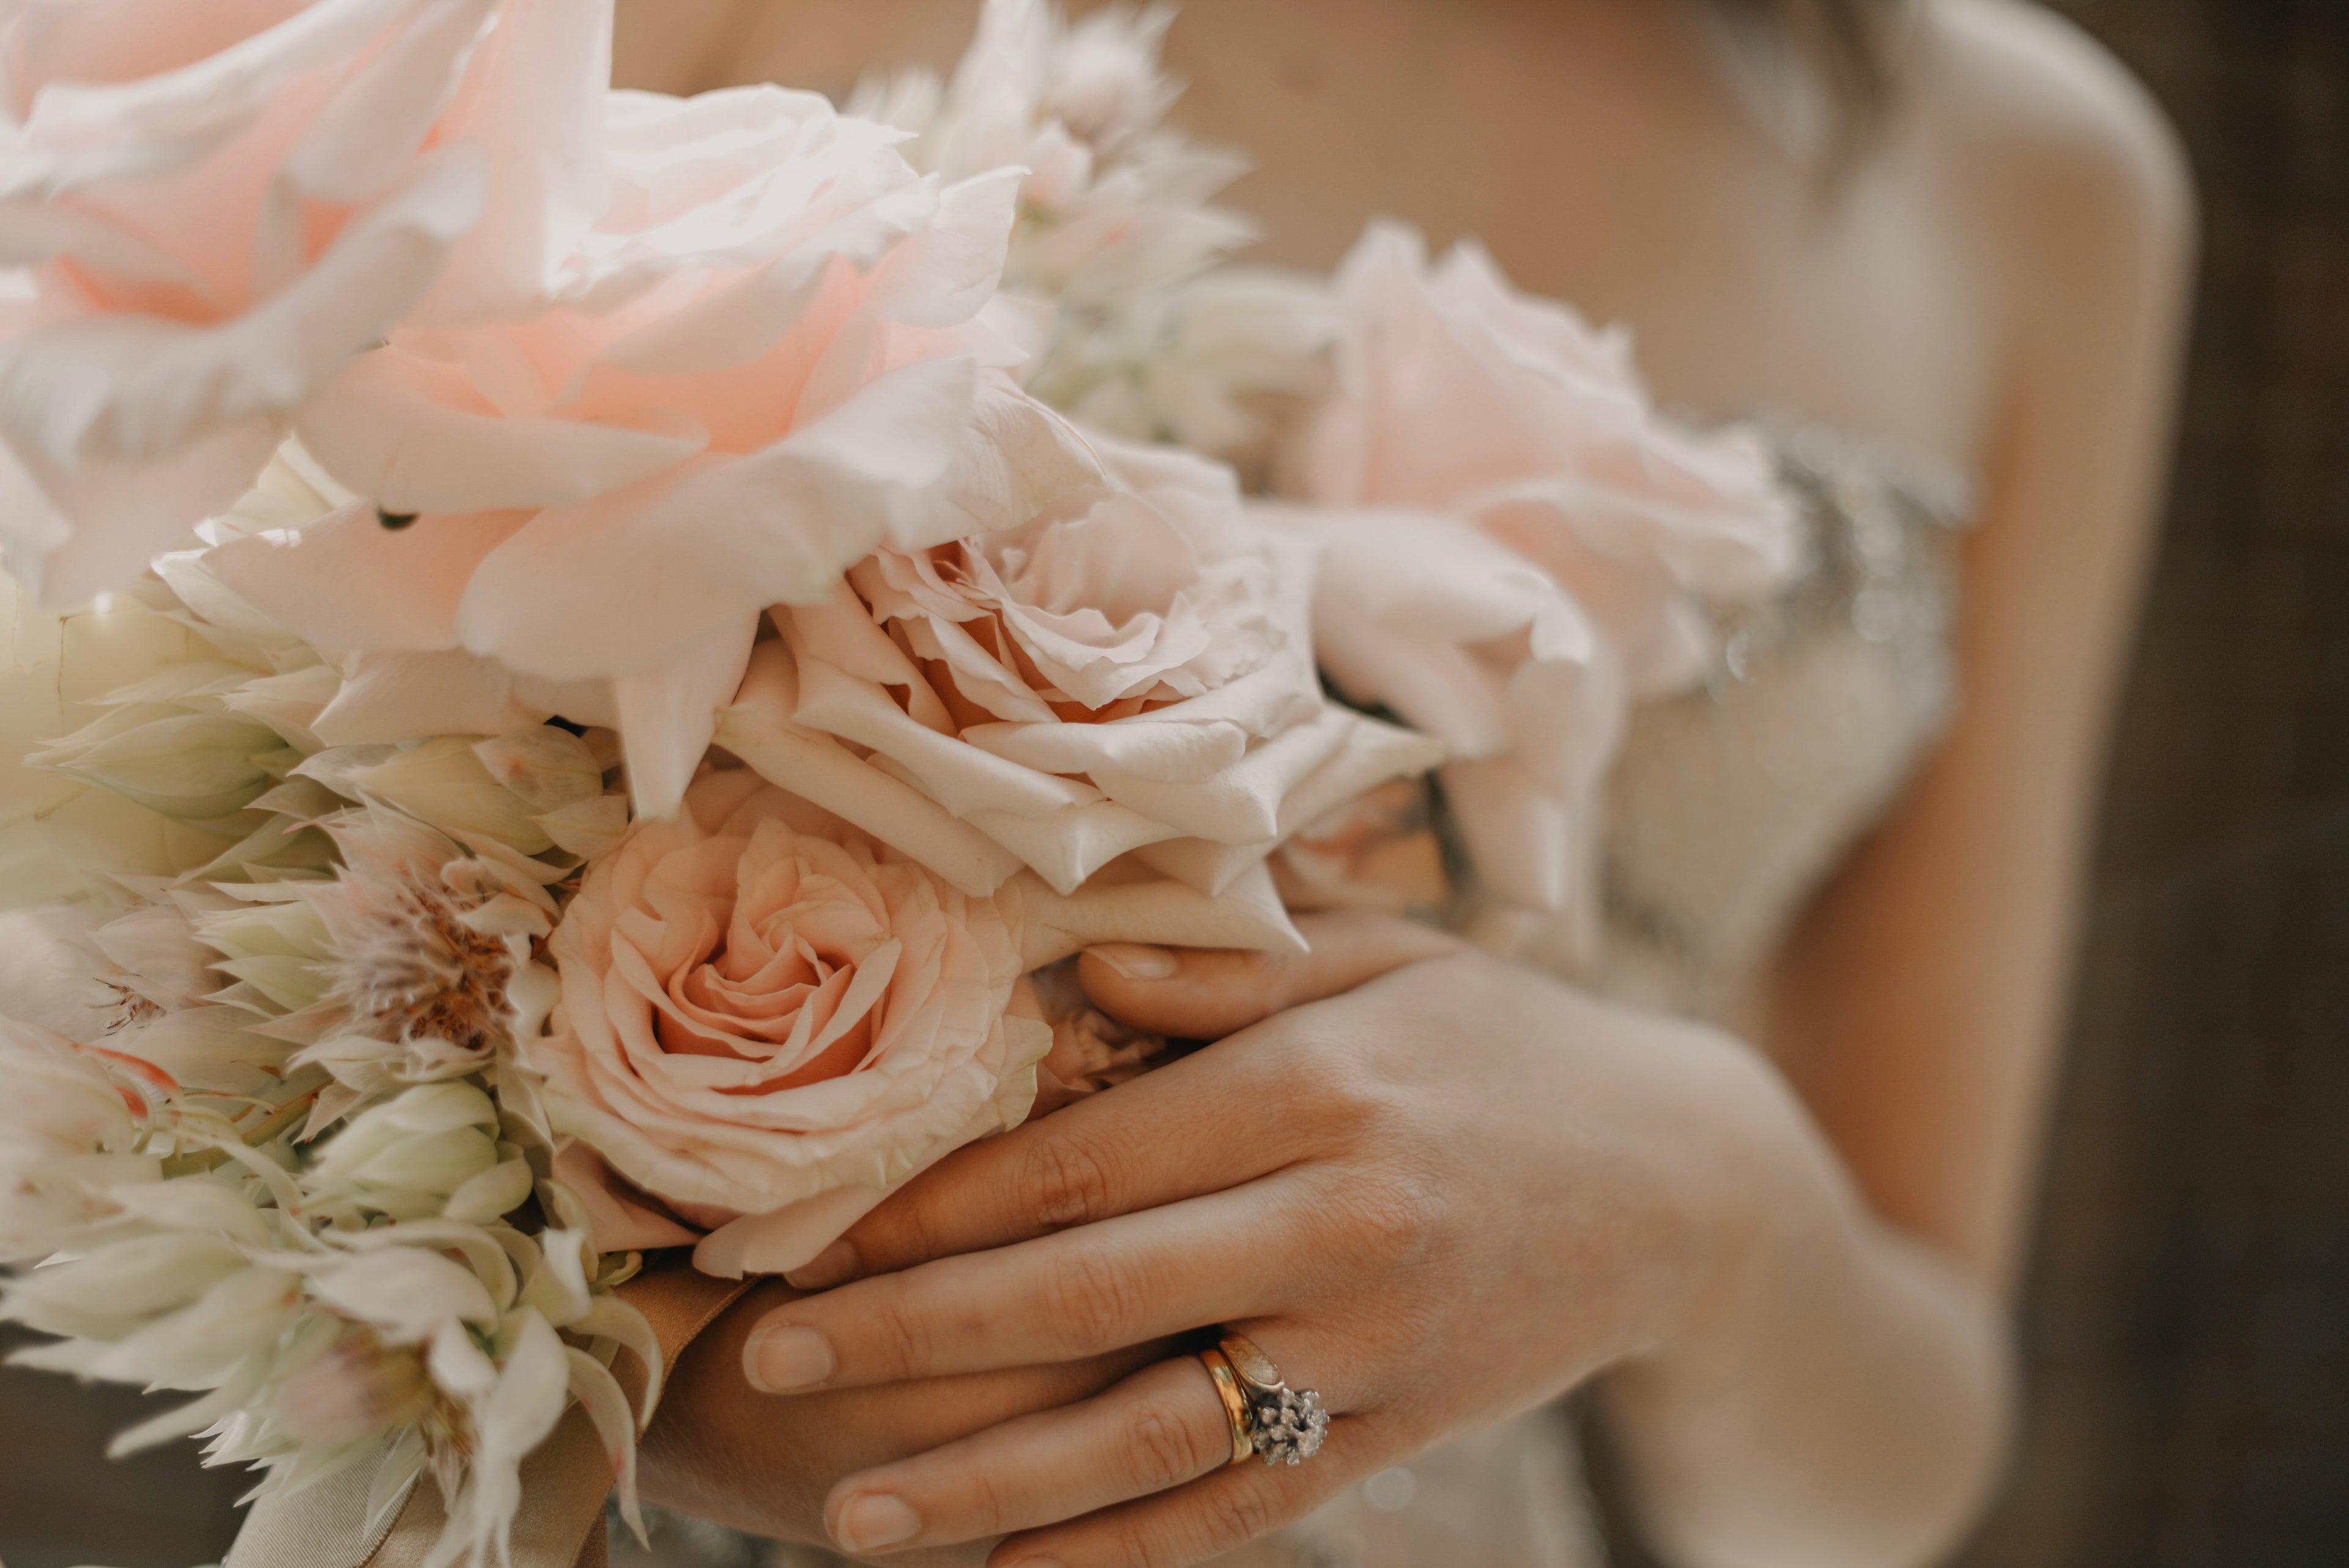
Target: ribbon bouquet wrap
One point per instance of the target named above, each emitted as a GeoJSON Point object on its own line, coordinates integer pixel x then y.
{"type": "Point", "coordinates": [579, 664]}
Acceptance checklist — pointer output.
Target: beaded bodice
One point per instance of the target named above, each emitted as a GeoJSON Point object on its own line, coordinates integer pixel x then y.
{"type": "Point", "coordinates": [1729, 806]}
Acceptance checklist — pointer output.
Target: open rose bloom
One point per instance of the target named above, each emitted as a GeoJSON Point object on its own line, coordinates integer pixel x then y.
{"type": "Point", "coordinates": [772, 350]}
{"type": "Point", "coordinates": [769, 1021]}
{"type": "Point", "coordinates": [216, 208]}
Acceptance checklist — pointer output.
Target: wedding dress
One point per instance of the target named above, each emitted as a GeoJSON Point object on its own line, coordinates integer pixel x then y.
{"type": "Point", "coordinates": [1727, 809]}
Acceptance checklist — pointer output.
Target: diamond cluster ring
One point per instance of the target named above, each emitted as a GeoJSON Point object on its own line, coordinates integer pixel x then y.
{"type": "Point", "coordinates": [1284, 1425]}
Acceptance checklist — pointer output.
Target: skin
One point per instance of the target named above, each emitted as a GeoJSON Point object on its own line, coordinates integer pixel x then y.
{"type": "Point", "coordinates": [1785, 1255]}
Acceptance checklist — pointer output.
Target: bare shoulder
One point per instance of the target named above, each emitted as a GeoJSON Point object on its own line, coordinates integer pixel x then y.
{"type": "Point", "coordinates": [2062, 149]}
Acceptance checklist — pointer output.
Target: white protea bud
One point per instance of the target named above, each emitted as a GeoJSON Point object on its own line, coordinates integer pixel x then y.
{"type": "Point", "coordinates": [548, 768]}
{"type": "Point", "coordinates": [159, 963]}
{"type": "Point", "coordinates": [192, 766]}
{"type": "Point", "coordinates": [432, 1151]}
{"type": "Point", "coordinates": [69, 1135]}
{"type": "Point", "coordinates": [1104, 82]}
{"type": "Point", "coordinates": [442, 781]}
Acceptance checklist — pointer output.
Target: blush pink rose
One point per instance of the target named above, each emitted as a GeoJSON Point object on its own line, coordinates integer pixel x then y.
{"type": "Point", "coordinates": [1424, 615]}
{"type": "Point", "coordinates": [774, 348]}
{"type": "Point", "coordinates": [1458, 395]}
{"type": "Point", "coordinates": [769, 1021]}
{"type": "Point", "coordinates": [1128, 674]}
{"type": "Point", "coordinates": [1517, 547]}
{"type": "Point", "coordinates": [218, 207]}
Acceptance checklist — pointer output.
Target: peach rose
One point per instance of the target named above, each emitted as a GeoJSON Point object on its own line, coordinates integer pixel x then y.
{"type": "Point", "coordinates": [769, 1021]}
{"type": "Point", "coordinates": [219, 207]}
{"type": "Point", "coordinates": [774, 348]}
{"type": "Point", "coordinates": [1128, 674]}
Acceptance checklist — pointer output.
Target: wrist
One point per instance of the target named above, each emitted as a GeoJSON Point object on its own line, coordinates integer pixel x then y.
{"type": "Point", "coordinates": [1773, 1220]}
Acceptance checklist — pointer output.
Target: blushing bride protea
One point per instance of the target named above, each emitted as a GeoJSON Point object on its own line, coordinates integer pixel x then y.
{"type": "Point", "coordinates": [414, 964]}
{"type": "Point", "coordinates": [1118, 237]}
{"type": "Point", "coordinates": [374, 1306]}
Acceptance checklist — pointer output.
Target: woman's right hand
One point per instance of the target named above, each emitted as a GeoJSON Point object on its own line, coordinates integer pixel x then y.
{"type": "Point", "coordinates": [763, 1465]}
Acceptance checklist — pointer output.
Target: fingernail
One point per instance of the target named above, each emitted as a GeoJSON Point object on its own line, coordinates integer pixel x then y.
{"type": "Point", "coordinates": [778, 1360]}
{"type": "Point", "coordinates": [875, 1520]}
{"type": "Point", "coordinates": [835, 1265]}
{"type": "Point", "coordinates": [1134, 962]}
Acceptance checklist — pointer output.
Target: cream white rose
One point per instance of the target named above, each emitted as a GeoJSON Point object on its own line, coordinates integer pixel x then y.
{"type": "Point", "coordinates": [1128, 674]}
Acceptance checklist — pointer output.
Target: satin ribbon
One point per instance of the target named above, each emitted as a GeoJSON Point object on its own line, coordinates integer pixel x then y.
{"type": "Point", "coordinates": [564, 1482]}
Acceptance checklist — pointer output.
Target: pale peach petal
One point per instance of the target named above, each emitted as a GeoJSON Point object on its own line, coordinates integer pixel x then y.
{"type": "Point", "coordinates": [72, 534]}
{"type": "Point", "coordinates": [398, 429]}
{"type": "Point", "coordinates": [1142, 907]}
{"type": "Point", "coordinates": [758, 727]}
{"type": "Point", "coordinates": [248, 198]}
{"type": "Point", "coordinates": [389, 698]}
{"type": "Point", "coordinates": [668, 714]}
{"type": "Point", "coordinates": [533, 103]}
{"type": "Point", "coordinates": [347, 583]}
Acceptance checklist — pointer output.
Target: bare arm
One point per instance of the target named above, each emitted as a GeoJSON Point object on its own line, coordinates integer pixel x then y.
{"type": "Point", "coordinates": [1917, 1011]}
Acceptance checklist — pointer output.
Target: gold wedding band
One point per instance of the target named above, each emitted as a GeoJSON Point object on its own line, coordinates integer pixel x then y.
{"type": "Point", "coordinates": [1235, 1406]}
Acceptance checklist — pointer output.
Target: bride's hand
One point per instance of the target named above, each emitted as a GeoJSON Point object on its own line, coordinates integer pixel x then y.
{"type": "Point", "coordinates": [1440, 1198]}
{"type": "Point", "coordinates": [718, 1451]}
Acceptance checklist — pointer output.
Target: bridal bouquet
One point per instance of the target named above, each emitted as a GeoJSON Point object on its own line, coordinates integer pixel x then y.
{"type": "Point", "coordinates": [581, 662]}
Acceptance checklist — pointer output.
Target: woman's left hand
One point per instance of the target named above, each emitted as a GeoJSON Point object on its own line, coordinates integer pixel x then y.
{"type": "Point", "coordinates": [1439, 1198]}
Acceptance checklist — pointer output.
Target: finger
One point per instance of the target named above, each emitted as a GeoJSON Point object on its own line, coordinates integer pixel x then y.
{"type": "Point", "coordinates": [712, 1444]}
{"type": "Point", "coordinates": [1059, 1298]}
{"type": "Point", "coordinates": [1161, 1427]}
{"type": "Point", "coordinates": [1192, 1127]}
{"type": "Point", "coordinates": [1196, 995]}
{"type": "Point", "coordinates": [1220, 1512]}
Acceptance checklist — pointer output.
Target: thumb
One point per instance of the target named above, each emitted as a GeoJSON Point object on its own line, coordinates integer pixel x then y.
{"type": "Point", "coordinates": [1192, 994]}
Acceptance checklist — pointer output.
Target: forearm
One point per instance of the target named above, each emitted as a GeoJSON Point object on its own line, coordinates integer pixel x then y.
{"type": "Point", "coordinates": [1844, 1403]}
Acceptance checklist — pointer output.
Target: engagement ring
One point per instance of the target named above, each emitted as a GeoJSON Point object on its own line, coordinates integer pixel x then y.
{"type": "Point", "coordinates": [1285, 1426]}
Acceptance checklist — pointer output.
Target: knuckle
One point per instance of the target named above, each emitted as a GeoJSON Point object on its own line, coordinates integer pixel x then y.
{"type": "Point", "coordinates": [1318, 1067]}
{"type": "Point", "coordinates": [1066, 1181]}
{"type": "Point", "coordinates": [896, 1335]}
{"type": "Point", "coordinates": [1095, 1297]}
{"type": "Point", "coordinates": [1396, 1219]}
{"type": "Point", "coordinates": [1163, 1450]}
{"type": "Point", "coordinates": [988, 1505]}
{"type": "Point", "coordinates": [1234, 1516]}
